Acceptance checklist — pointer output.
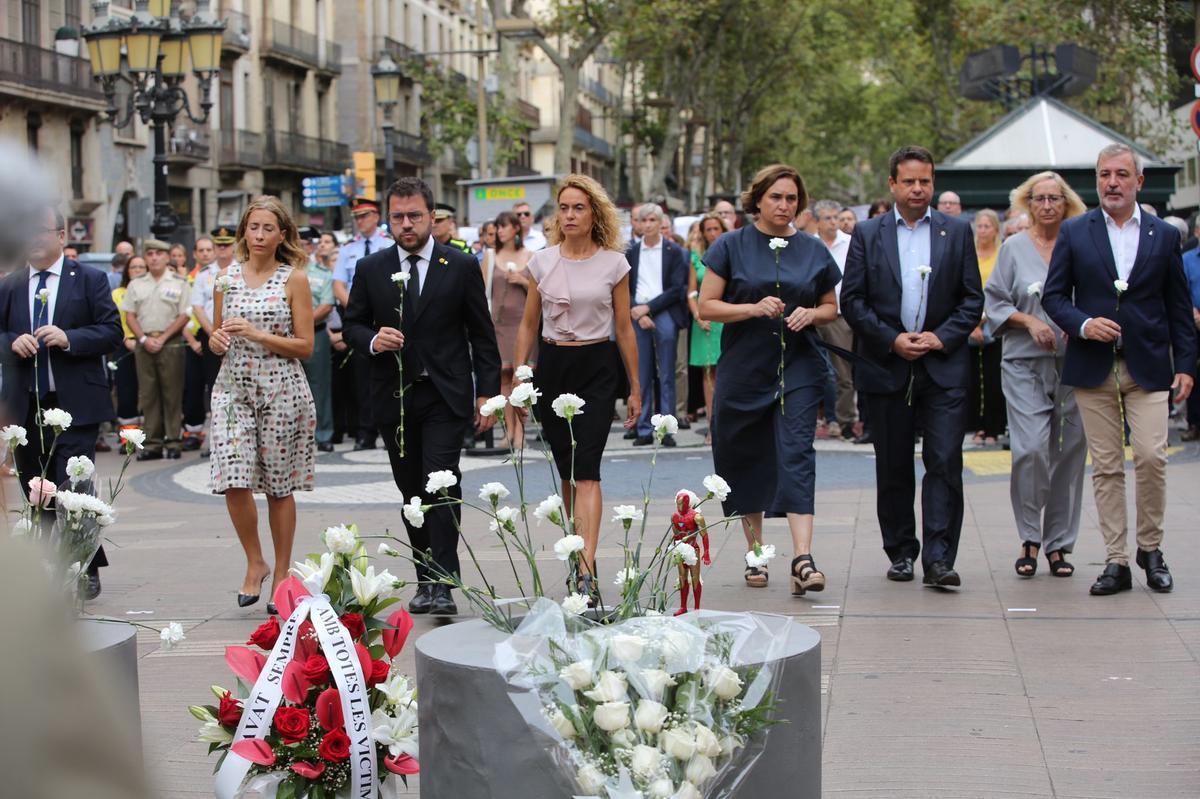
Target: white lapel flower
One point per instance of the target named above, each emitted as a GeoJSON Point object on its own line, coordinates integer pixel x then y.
{"type": "Point", "coordinates": [314, 574]}
{"type": "Point", "coordinates": [568, 545]}
{"type": "Point", "coordinates": [414, 511]}
{"type": "Point", "coordinates": [440, 481]}
{"type": "Point", "coordinates": [777, 243]}
{"type": "Point", "coordinates": [717, 487]}
{"type": "Point", "coordinates": [524, 395]}
{"type": "Point", "coordinates": [171, 635]}
{"type": "Point", "coordinates": [494, 406]}
{"type": "Point", "coordinates": [1034, 289]}
{"type": "Point", "coordinates": [400, 278]}
{"type": "Point", "coordinates": [1121, 286]}
{"type": "Point", "coordinates": [524, 372]}
{"type": "Point", "coordinates": [567, 406]}
{"type": "Point", "coordinates": [924, 270]}
{"type": "Point", "coordinates": [14, 436]}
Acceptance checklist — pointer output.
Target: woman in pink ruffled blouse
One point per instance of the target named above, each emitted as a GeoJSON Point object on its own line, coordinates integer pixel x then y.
{"type": "Point", "coordinates": [579, 294]}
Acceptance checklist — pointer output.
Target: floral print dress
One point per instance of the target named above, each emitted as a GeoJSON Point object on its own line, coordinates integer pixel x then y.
{"type": "Point", "coordinates": [263, 418]}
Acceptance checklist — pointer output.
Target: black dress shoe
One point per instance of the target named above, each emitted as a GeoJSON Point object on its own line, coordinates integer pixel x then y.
{"type": "Point", "coordinates": [939, 575]}
{"type": "Point", "coordinates": [442, 604]}
{"type": "Point", "coordinates": [150, 455]}
{"type": "Point", "coordinates": [901, 570]}
{"type": "Point", "coordinates": [1114, 578]}
{"type": "Point", "coordinates": [362, 444]}
{"type": "Point", "coordinates": [1158, 576]}
{"type": "Point", "coordinates": [324, 446]}
{"type": "Point", "coordinates": [271, 609]}
{"type": "Point", "coordinates": [669, 440]}
{"type": "Point", "coordinates": [684, 424]}
{"type": "Point", "coordinates": [865, 438]}
{"type": "Point", "coordinates": [92, 589]}
{"type": "Point", "coordinates": [630, 435]}
{"type": "Point", "coordinates": [421, 602]}
{"type": "Point", "coordinates": [643, 441]}
{"type": "Point", "coordinates": [173, 454]}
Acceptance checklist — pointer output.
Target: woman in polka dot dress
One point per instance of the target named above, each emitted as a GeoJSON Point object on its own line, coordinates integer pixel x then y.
{"type": "Point", "coordinates": [263, 419]}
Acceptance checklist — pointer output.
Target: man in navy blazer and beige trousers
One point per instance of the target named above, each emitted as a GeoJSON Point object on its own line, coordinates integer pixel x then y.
{"type": "Point", "coordinates": [1116, 285]}
{"type": "Point", "coordinates": [71, 333]}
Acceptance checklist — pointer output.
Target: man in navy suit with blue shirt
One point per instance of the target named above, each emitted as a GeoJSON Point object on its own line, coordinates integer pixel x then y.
{"type": "Point", "coordinates": [911, 292]}
{"type": "Point", "coordinates": [658, 305]}
{"type": "Point", "coordinates": [70, 331]}
{"type": "Point", "coordinates": [1116, 285]}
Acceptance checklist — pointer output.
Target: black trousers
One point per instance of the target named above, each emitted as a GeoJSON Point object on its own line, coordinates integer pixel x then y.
{"type": "Point", "coordinates": [199, 375]}
{"type": "Point", "coordinates": [125, 380]}
{"type": "Point", "coordinates": [75, 440]}
{"type": "Point", "coordinates": [940, 413]}
{"type": "Point", "coordinates": [361, 365]}
{"type": "Point", "coordinates": [432, 440]}
{"type": "Point", "coordinates": [345, 404]}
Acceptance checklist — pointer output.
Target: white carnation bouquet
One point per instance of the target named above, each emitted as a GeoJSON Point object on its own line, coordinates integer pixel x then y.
{"type": "Point", "coordinates": [654, 706]}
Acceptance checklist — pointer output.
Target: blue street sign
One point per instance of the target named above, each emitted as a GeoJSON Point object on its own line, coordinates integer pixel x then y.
{"type": "Point", "coordinates": [332, 182]}
{"type": "Point", "coordinates": [325, 191]}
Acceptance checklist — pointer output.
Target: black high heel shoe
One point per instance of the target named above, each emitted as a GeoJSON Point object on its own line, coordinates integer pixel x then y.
{"type": "Point", "coordinates": [246, 600]}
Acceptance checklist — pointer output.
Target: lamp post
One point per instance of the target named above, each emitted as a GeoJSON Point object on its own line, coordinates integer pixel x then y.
{"type": "Point", "coordinates": [386, 77]}
{"type": "Point", "coordinates": [156, 45]}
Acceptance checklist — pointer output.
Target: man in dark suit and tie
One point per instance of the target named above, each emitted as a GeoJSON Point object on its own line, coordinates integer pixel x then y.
{"type": "Point", "coordinates": [658, 305]}
{"type": "Point", "coordinates": [1116, 285]}
{"type": "Point", "coordinates": [451, 366]}
{"type": "Point", "coordinates": [912, 294]}
{"type": "Point", "coordinates": [58, 323]}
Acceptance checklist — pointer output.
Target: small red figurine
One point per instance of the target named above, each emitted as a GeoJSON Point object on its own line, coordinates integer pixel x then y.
{"type": "Point", "coordinates": [686, 525]}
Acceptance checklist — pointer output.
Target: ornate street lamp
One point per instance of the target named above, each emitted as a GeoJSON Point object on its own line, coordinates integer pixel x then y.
{"type": "Point", "coordinates": [156, 46]}
{"type": "Point", "coordinates": [387, 75]}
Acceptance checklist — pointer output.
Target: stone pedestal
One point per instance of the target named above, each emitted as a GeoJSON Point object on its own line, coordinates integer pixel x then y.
{"type": "Point", "coordinates": [475, 744]}
{"type": "Point", "coordinates": [113, 646]}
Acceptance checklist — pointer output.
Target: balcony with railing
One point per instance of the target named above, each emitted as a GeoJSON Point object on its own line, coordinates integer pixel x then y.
{"type": "Point", "coordinates": [294, 151]}
{"type": "Point", "coordinates": [592, 143]}
{"type": "Point", "coordinates": [529, 112]}
{"type": "Point", "coordinates": [399, 51]}
{"type": "Point", "coordinates": [408, 148]}
{"type": "Point", "coordinates": [236, 37]}
{"type": "Point", "coordinates": [598, 90]}
{"type": "Point", "coordinates": [333, 58]}
{"type": "Point", "coordinates": [241, 149]}
{"type": "Point", "coordinates": [188, 145]}
{"type": "Point", "coordinates": [35, 73]}
{"type": "Point", "coordinates": [288, 44]}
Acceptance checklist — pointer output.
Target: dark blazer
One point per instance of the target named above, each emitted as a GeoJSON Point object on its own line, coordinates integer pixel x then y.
{"type": "Point", "coordinates": [449, 332]}
{"type": "Point", "coordinates": [85, 311]}
{"type": "Point", "coordinates": [871, 295]}
{"type": "Point", "coordinates": [673, 299]}
{"type": "Point", "coordinates": [1155, 313]}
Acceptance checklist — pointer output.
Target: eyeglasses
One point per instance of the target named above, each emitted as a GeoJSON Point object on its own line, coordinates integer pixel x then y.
{"type": "Point", "coordinates": [45, 231]}
{"type": "Point", "coordinates": [524, 213]}
{"type": "Point", "coordinates": [1047, 199]}
{"type": "Point", "coordinates": [411, 216]}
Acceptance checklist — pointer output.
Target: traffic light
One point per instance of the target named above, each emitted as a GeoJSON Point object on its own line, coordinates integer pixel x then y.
{"type": "Point", "coordinates": [364, 175]}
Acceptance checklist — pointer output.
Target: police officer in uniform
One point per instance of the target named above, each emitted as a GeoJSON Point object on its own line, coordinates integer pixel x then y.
{"type": "Point", "coordinates": [156, 309]}
{"type": "Point", "coordinates": [319, 367]}
{"type": "Point", "coordinates": [369, 239]}
{"type": "Point", "coordinates": [445, 228]}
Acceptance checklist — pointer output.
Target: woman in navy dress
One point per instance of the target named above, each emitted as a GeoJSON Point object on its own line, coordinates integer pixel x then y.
{"type": "Point", "coordinates": [761, 445]}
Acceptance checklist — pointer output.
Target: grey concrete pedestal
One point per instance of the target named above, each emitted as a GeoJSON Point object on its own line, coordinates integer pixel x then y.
{"type": "Point", "coordinates": [475, 745]}
{"type": "Point", "coordinates": [112, 645]}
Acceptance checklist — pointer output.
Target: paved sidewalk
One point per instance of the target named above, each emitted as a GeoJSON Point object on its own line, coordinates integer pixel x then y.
{"type": "Point", "coordinates": [1006, 688]}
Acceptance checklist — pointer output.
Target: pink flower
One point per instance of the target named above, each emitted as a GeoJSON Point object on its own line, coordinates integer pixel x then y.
{"type": "Point", "coordinates": [41, 491]}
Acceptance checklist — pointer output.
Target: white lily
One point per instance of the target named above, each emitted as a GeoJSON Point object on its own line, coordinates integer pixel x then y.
{"type": "Point", "coordinates": [314, 575]}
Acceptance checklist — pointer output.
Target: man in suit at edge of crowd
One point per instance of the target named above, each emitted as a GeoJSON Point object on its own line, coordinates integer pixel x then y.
{"type": "Point", "coordinates": [1116, 286]}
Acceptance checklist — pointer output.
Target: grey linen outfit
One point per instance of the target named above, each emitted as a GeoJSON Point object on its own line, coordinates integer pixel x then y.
{"type": "Point", "coordinates": [1045, 430]}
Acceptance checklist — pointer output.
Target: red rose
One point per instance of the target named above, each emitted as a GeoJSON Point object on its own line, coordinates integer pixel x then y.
{"type": "Point", "coordinates": [230, 711]}
{"type": "Point", "coordinates": [379, 672]}
{"type": "Point", "coordinates": [292, 724]}
{"type": "Point", "coordinates": [316, 670]}
{"type": "Point", "coordinates": [353, 622]}
{"type": "Point", "coordinates": [266, 635]}
{"type": "Point", "coordinates": [335, 746]}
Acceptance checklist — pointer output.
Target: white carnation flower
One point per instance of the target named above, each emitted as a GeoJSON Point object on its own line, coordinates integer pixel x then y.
{"type": "Point", "coordinates": [1034, 289]}
{"type": "Point", "coordinates": [626, 514]}
{"type": "Point", "coordinates": [717, 487]}
{"type": "Point", "coordinates": [400, 278]}
{"type": "Point", "coordinates": [14, 436]}
{"type": "Point", "coordinates": [506, 519]}
{"type": "Point", "coordinates": [550, 509]}
{"type": "Point", "coordinates": [682, 552]}
{"type": "Point", "coordinates": [760, 555]}
{"type": "Point", "coordinates": [440, 481]}
{"type": "Point", "coordinates": [575, 604]}
{"type": "Point", "coordinates": [1121, 286]}
{"type": "Point", "coordinates": [523, 372]}
{"type": "Point", "coordinates": [777, 243]}
{"type": "Point", "coordinates": [567, 546]}
{"type": "Point", "coordinates": [524, 395]}
{"type": "Point", "coordinates": [56, 418]}
{"type": "Point", "coordinates": [625, 576]}
{"type": "Point", "coordinates": [493, 492]}
{"type": "Point", "coordinates": [494, 406]}
{"type": "Point", "coordinates": [341, 540]}
{"type": "Point", "coordinates": [664, 425]}
{"type": "Point", "coordinates": [171, 635]}
{"type": "Point", "coordinates": [568, 406]}
{"type": "Point", "coordinates": [80, 468]}
{"type": "Point", "coordinates": [134, 436]}
{"type": "Point", "coordinates": [414, 512]}
{"type": "Point", "coordinates": [924, 270]}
